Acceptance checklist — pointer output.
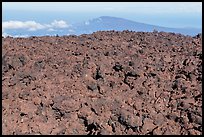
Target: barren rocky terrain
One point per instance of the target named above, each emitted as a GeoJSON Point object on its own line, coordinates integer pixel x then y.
{"type": "Point", "coordinates": [108, 82]}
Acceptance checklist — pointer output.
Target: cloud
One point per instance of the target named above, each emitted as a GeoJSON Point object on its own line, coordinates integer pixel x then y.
{"type": "Point", "coordinates": [87, 22]}
{"type": "Point", "coordinates": [14, 36]}
{"type": "Point", "coordinates": [33, 26]}
{"type": "Point", "coordinates": [51, 29]}
{"type": "Point", "coordinates": [59, 24]}
{"type": "Point", "coordinates": [71, 30]}
{"type": "Point", "coordinates": [20, 36]}
{"type": "Point", "coordinates": [30, 25]}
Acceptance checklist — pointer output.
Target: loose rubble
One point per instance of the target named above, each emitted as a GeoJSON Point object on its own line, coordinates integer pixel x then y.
{"type": "Point", "coordinates": [105, 83]}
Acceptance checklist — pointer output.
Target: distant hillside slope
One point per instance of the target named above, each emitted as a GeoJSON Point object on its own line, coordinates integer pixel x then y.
{"type": "Point", "coordinates": [119, 24]}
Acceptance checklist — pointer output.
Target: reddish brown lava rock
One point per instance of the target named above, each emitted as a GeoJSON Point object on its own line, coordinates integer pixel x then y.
{"type": "Point", "coordinates": [108, 82]}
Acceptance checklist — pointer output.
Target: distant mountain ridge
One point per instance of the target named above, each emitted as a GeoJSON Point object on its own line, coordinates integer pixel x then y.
{"type": "Point", "coordinates": [103, 23]}
{"type": "Point", "coordinates": [119, 24]}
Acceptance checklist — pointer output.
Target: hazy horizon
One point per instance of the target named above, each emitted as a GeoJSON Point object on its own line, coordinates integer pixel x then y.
{"type": "Point", "coordinates": [165, 14]}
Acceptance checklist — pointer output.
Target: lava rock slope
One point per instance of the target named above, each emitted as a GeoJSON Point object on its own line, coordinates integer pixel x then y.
{"type": "Point", "coordinates": [108, 82]}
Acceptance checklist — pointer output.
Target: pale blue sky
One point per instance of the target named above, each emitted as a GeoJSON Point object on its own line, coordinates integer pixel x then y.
{"type": "Point", "coordinates": [143, 7]}
{"type": "Point", "coordinates": [167, 14]}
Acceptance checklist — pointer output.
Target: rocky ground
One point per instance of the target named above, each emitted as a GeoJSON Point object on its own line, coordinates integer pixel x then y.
{"type": "Point", "coordinates": [107, 82]}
